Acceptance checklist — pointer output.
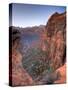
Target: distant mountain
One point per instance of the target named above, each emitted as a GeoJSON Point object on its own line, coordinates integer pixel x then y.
{"type": "Point", "coordinates": [35, 29]}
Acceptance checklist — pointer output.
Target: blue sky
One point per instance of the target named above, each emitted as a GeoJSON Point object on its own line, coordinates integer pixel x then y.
{"type": "Point", "coordinates": [25, 15]}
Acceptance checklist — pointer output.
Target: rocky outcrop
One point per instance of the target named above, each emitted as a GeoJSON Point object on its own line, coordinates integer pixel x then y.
{"type": "Point", "coordinates": [55, 39]}
{"type": "Point", "coordinates": [62, 72]}
{"type": "Point", "coordinates": [18, 74]}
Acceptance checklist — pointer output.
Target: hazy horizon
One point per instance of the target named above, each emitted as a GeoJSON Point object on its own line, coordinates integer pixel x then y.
{"type": "Point", "coordinates": [28, 15]}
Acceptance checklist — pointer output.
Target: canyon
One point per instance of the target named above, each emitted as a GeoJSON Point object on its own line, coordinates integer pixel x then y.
{"type": "Point", "coordinates": [39, 53]}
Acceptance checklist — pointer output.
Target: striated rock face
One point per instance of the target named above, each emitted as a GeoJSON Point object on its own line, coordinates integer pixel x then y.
{"type": "Point", "coordinates": [55, 39]}
{"type": "Point", "coordinates": [57, 22]}
{"type": "Point", "coordinates": [58, 44]}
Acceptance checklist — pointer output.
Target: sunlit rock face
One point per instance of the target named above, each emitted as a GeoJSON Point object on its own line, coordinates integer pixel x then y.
{"type": "Point", "coordinates": [62, 72]}
{"type": "Point", "coordinates": [57, 26]}
{"type": "Point", "coordinates": [54, 39]}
